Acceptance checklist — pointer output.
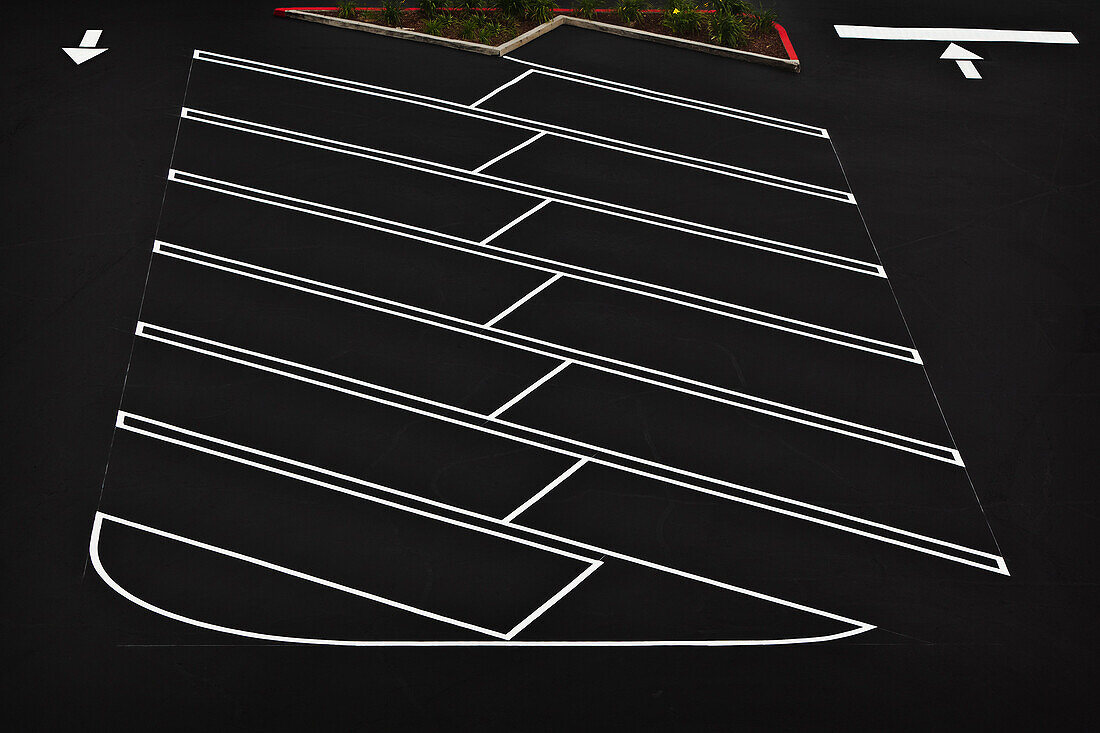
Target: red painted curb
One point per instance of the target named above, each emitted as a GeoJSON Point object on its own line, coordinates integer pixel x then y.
{"type": "Point", "coordinates": [787, 45]}
{"type": "Point", "coordinates": [786, 41]}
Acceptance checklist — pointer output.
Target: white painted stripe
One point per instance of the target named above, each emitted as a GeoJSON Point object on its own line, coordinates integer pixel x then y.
{"type": "Point", "coordinates": [969, 70]}
{"type": "Point", "coordinates": [477, 423]}
{"type": "Point", "coordinates": [512, 223]}
{"type": "Point", "coordinates": [521, 301]}
{"type": "Point", "coordinates": [459, 510]}
{"type": "Point", "coordinates": [552, 600]}
{"type": "Point", "coordinates": [121, 422]}
{"type": "Point", "coordinates": [508, 152]}
{"type": "Point", "coordinates": [719, 109]}
{"type": "Point", "coordinates": [97, 563]}
{"type": "Point", "coordinates": [545, 490]}
{"type": "Point", "coordinates": [556, 130]}
{"type": "Point", "coordinates": [541, 381]}
{"type": "Point", "coordinates": [584, 358]}
{"type": "Point", "coordinates": [504, 184]}
{"type": "Point", "coordinates": [282, 569]}
{"type": "Point", "coordinates": [502, 87]}
{"type": "Point", "coordinates": [884, 33]}
{"type": "Point", "coordinates": [90, 39]}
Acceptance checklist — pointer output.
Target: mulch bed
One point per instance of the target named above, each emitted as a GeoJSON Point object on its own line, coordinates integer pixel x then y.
{"type": "Point", "coordinates": [766, 42]}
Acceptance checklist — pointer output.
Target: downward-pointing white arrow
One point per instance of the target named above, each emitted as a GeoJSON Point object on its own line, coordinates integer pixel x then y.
{"type": "Point", "coordinates": [87, 49]}
{"type": "Point", "coordinates": [965, 59]}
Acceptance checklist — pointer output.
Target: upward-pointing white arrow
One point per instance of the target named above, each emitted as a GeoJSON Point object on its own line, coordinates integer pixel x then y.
{"type": "Point", "coordinates": [965, 59]}
{"type": "Point", "coordinates": [87, 49]}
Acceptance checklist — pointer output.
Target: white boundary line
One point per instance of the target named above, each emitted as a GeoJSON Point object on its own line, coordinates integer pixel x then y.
{"type": "Point", "coordinates": [588, 138]}
{"type": "Point", "coordinates": [508, 152]}
{"type": "Point", "coordinates": [509, 225]}
{"type": "Point", "coordinates": [503, 86]}
{"type": "Point", "coordinates": [959, 35]}
{"type": "Point", "coordinates": [100, 516]}
{"type": "Point", "coordinates": [575, 272]}
{"type": "Point", "coordinates": [97, 563]}
{"type": "Point", "coordinates": [528, 189]}
{"type": "Point", "coordinates": [441, 505]}
{"type": "Point", "coordinates": [544, 491]}
{"type": "Point", "coordinates": [541, 381]}
{"type": "Point", "coordinates": [697, 104]}
{"type": "Point", "coordinates": [475, 421]}
{"type": "Point", "coordinates": [519, 341]}
{"type": "Point", "coordinates": [521, 301]}
{"type": "Point", "coordinates": [120, 422]}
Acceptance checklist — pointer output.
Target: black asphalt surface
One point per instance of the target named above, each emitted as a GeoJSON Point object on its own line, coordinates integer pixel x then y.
{"type": "Point", "coordinates": [319, 314]}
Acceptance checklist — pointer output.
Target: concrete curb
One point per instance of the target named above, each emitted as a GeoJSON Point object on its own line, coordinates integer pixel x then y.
{"type": "Point", "coordinates": [792, 64]}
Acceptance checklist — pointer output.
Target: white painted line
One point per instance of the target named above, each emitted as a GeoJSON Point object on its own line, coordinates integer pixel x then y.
{"type": "Point", "coordinates": [502, 87]}
{"type": "Point", "coordinates": [282, 569]}
{"type": "Point", "coordinates": [91, 38]}
{"type": "Point", "coordinates": [959, 35]}
{"type": "Point", "coordinates": [521, 301]}
{"type": "Point", "coordinates": [121, 422]}
{"type": "Point", "coordinates": [616, 86]}
{"type": "Point", "coordinates": [675, 382]}
{"type": "Point", "coordinates": [541, 381]}
{"type": "Point", "coordinates": [512, 223]}
{"type": "Point", "coordinates": [475, 421]}
{"type": "Point", "coordinates": [545, 490]}
{"type": "Point", "coordinates": [536, 126]}
{"type": "Point", "coordinates": [505, 184]}
{"type": "Point", "coordinates": [97, 563]}
{"type": "Point", "coordinates": [522, 259]}
{"type": "Point", "coordinates": [508, 152]}
{"type": "Point", "coordinates": [459, 510]}
{"type": "Point", "coordinates": [552, 600]}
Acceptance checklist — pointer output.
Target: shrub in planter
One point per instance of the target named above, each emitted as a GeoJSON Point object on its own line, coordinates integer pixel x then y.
{"type": "Point", "coordinates": [629, 11]}
{"type": "Point", "coordinates": [347, 11]}
{"type": "Point", "coordinates": [391, 12]}
{"type": "Point", "coordinates": [727, 29]}
{"type": "Point", "coordinates": [587, 9]}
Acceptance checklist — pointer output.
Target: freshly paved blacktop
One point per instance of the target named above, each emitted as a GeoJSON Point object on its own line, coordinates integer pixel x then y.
{"type": "Point", "coordinates": [739, 439]}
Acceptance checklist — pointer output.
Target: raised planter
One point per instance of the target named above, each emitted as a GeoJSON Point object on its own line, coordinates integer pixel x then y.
{"type": "Point", "coordinates": [312, 15]}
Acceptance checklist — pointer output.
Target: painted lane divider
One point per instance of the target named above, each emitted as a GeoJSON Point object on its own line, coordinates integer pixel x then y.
{"type": "Point", "coordinates": [87, 48]}
{"type": "Point", "coordinates": [564, 445]}
{"type": "Point", "coordinates": [608, 365]}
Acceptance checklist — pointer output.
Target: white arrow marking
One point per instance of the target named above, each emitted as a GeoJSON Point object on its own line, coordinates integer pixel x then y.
{"type": "Point", "coordinates": [87, 49]}
{"type": "Point", "coordinates": [965, 59]}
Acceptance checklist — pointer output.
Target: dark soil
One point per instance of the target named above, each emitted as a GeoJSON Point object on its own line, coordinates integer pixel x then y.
{"type": "Point", "coordinates": [766, 42]}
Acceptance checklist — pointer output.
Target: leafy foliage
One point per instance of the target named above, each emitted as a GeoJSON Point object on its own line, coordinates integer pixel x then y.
{"type": "Point", "coordinates": [391, 12]}
{"type": "Point", "coordinates": [347, 11]}
{"type": "Point", "coordinates": [431, 9]}
{"type": "Point", "coordinates": [629, 11]}
{"type": "Point", "coordinates": [587, 9]}
{"type": "Point", "coordinates": [727, 29]}
{"type": "Point", "coordinates": [683, 16]}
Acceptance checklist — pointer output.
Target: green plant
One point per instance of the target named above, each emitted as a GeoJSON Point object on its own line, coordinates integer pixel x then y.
{"type": "Point", "coordinates": [540, 11]}
{"type": "Point", "coordinates": [629, 11]}
{"type": "Point", "coordinates": [683, 16]}
{"type": "Point", "coordinates": [347, 11]}
{"type": "Point", "coordinates": [727, 29]}
{"type": "Point", "coordinates": [468, 27]}
{"type": "Point", "coordinates": [510, 8]}
{"type": "Point", "coordinates": [762, 19]}
{"type": "Point", "coordinates": [732, 7]}
{"type": "Point", "coordinates": [431, 9]}
{"type": "Point", "coordinates": [435, 26]}
{"type": "Point", "coordinates": [587, 9]}
{"type": "Point", "coordinates": [391, 12]}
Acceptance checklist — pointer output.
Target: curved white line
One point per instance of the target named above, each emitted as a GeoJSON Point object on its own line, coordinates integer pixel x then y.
{"type": "Point", "coordinates": [97, 563]}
